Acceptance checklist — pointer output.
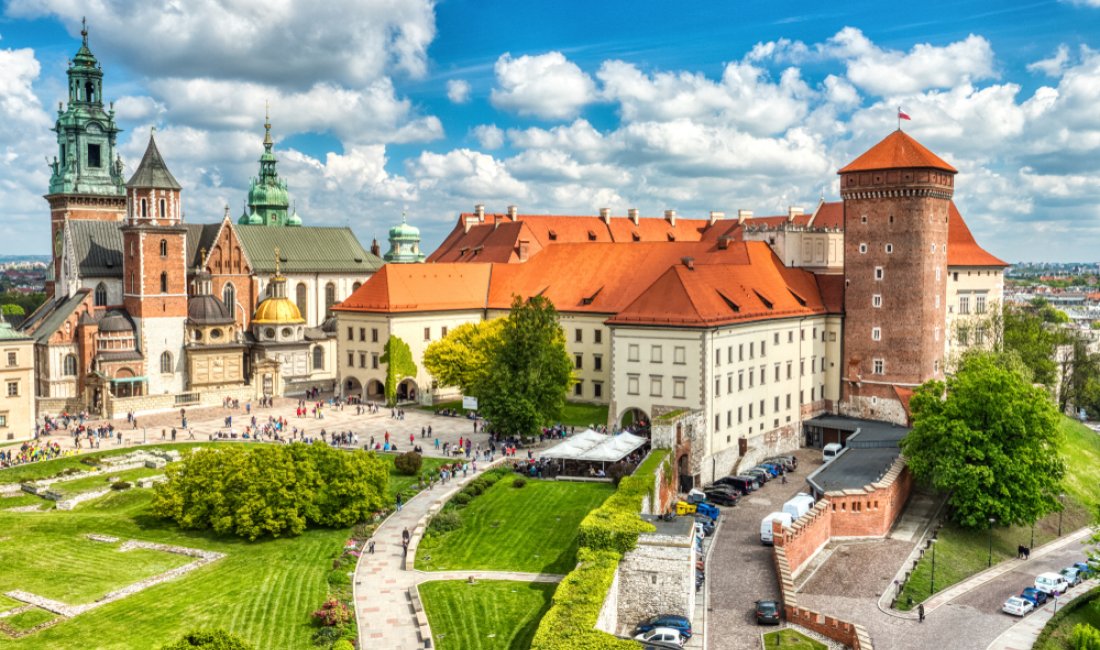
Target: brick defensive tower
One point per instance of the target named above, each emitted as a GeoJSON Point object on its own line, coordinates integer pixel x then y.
{"type": "Point", "coordinates": [896, 200]}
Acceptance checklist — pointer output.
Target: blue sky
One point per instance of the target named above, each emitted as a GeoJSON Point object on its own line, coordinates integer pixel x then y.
{"type": "Point", "coordinates": [566, 107]}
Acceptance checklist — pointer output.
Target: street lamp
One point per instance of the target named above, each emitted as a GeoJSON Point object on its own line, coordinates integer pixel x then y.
{"type": "Point", "coordinates": [991, 521]}
{"type": "Point", "coordinates": [933, 589]}
{"type": "Point", "coordinates": [1061, 510]}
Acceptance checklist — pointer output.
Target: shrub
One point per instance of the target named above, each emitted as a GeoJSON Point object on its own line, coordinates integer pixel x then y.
{"type": "Point", "coordinates": [461, 499]}
{"type": "Point", "coordinates": [326, 636]}
{"type": "Point", "coordinates": [343, 644]}
{"type": "Point", "coordinates": [339, 577]}
{"type": "Point", "coordinates": [408, 463]}
{"type": "Point", "coordinates": [617, 472]}
{"type": "Point", "coordinates": [209, 640]}
{"type": "Point", "coordinates": [615, 525]}
{"type": "Point", "coordinates": [445, 522]}
{"type": "Point", "coordinates": [121, 485]}
{"type": "Point", "coordinates": [333, 613]}
{"type": "Point", "coordinates": [571, 620]}
{"type": "Point", "coordinates": [1085, 637]}
{"type": "Point", "coordinates": [519, 482]}
{"type": "Point", "coordinates": [474, 488]}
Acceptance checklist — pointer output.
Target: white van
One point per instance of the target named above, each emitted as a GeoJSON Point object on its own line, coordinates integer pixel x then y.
{"type": "Point", "coordinates": [766, 535]}
{"type": "Point", "coordinates": [1051, 583]}
{"type": "Point", "coordinates": [830, 451]}
{"type": "Point", "coordinates": [799, 505]}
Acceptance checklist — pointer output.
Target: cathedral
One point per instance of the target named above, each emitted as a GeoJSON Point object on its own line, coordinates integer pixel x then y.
{"type": "Point", "coordinates": [148, 311]}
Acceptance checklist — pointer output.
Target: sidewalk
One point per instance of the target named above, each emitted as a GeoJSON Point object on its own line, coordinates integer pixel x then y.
{"type": "Point", "coordinates": [1022, 635]}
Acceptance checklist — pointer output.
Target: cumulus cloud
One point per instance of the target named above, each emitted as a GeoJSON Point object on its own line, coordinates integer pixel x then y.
{"type": "Point", "coordinates": [489, 136]}
{"type": "Point", "coordinates": [467, 174]}
{"type": "Point", "coordinates": [1052, 67]}
{"type": "Point", "coordinates": [458, 91]}
{"type": "Point", "coordinates": [547, 86]}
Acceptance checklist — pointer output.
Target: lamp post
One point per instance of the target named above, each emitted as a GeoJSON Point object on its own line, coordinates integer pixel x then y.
{"type": "Point", "coordinates": [1061, 510]}
{"type": "Point", "coordinates": [933, 589]}
{"type": "Point", "coordinates": [991, 522]}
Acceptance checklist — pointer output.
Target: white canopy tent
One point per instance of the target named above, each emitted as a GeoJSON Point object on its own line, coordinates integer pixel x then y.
{"type": "Point", "coordinates": [592, 446]}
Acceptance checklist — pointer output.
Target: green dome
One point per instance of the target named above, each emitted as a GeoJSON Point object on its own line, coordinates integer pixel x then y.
{"type": "Point", "coordinates": [294, 219]}
{"type": "Point", "coordinates": [404, 231]}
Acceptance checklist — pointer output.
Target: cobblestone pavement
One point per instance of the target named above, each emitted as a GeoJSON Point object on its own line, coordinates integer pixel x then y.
{"type": "Point", "coordinates": [740, 570]}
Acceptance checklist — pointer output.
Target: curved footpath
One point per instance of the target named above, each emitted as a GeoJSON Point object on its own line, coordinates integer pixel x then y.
{"type": "Point", "coordinates": [387, 606]}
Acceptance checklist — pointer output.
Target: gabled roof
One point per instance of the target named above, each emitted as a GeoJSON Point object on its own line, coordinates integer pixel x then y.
{"type": "Point", "coordinates": [307, 249]}
{"type": "Point", "coordinates": [152, 172]}
{"type": "Point", "coordinates": [200, 237]}
{"type": "Point", "coordinates": [422, 287]}
{"type": "Point", "coordinates": [97, 246]}
{"type": "Point", "coordinates": [59, 310]}
{"type": "Point", "coordinates": [897, 151]}
{"type": "Point", "coordinates": [962, 249]}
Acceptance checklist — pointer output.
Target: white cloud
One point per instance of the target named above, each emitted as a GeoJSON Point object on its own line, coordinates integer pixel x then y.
{"type": "Point", "coordinates": [1053, 66]}
{"type": "Point", "coordinates": [547, 86]}
{"type": "Point", "coordinates": [489, 136]}
{"type": "Point", "coordinates": [458, 91]}
{"type": "Point", "coordinates": [470, 175]}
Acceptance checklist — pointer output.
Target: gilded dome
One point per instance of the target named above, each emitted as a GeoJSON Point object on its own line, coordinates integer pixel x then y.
{"type": "Point", "coordinates": [277, 310]}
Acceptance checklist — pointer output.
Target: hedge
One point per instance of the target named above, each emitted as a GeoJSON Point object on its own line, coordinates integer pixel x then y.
{"type": "Point", "coordinates": [615, 525]}
{"type": "Point", "coordinates": [570, 623]}
{"type": "Point", "coordinates": [1066, 610]}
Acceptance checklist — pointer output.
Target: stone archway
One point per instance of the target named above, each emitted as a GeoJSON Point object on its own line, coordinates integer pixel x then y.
{"type": "Point", "coordinates": [407, 390]}
{"type": "Point", "coordinates": [635, 420]}
{"type": "Point", "coordinates": [353, 388]}
{"type": "Point", "coordinates": [376, 391]}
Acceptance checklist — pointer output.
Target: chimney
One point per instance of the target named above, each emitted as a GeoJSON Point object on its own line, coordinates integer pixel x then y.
{"type": "Point", "coordinates": [689, 262]}
{"type": "Point", "coordinates": [632, 213]}
{"type": "Point", "coordinates": [671, 216]}
{"type": "Point", "coordinates": [793, 212]}
{"type": "Point", "coordinates": [512, 212]}
{"type": "Point", "coordinates": [715, 216]}
{"type": "Point", "coordinates": [524, 248]}
{"type": "Point", "coordinates": [375, 249]}
{"type": "Point", "coordinates": [742, 215]}
{"type": "Point", "coordinates": [479, 210]}
{"type": "Point", "coordinates": [605, 215]}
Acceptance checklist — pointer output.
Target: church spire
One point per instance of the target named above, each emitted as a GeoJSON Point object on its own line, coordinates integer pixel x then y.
{"type": "Point", "coordinates": [268, 198]}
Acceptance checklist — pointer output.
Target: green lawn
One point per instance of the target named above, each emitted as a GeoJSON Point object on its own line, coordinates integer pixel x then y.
{"type": "Point", "coordinates": [99, 481]}
{"type": "Point", "coordinates": [792, 640]}
{"type": "Point", "coordinates": [400, 481]}
{"type": "Point", "coordinates": [28, 619]}
{"type": "Point", "coordinates": [1060, 637]}
{"type": "Point", "coordinates": [22, 499]}
{"type": "Point", "coordinates": [532, 529]}
{"type": "Point", "coordinates": [488, 615]}
{"type": "Point", "coordinates": [578, 414]}
{"type": "Point", "coordinates": [51, 468]}
{"type": "Point", "coordinates": [8, 603]}
{"type": "Point", "coordinates": [961, 553]}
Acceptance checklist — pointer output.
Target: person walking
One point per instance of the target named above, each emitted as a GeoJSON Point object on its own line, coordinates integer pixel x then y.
{"type": "Point", "coordinates": [920, 612]}
{"type": "Point", "coordinates": [370, 547]}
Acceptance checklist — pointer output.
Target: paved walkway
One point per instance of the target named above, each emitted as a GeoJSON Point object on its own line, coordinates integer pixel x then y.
{"type": "Point", "coordinates": [1022, 635]}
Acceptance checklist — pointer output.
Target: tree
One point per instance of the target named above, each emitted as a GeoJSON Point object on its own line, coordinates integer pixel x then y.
{"type": "Point", "coordinates": [209, 640]}
{"type": "Point", "coordinates": [399, 364]}
{"type": "Point", "coordinates": [529, 372]}
{"type": "Point", "coordinates": [462, 357]}
{"type": "Point", "coordinates": [12, 310]}
{"type": "Point", "coordinates": [990, 440]}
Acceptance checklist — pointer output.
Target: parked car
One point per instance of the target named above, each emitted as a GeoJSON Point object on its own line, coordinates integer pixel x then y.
{"type": "Point", "coordinates": [772, 470]}
{"type": "Point", "coordinates": [1072, 575]}
{"type": "Point", "coordinates": [830, 451]}
{"type": "Point", "coordinates": [722, 497]}
{"type": "Point", "coordinates": [790, 461]}
{"type": "Point", "coordinates": [799, 505]}
{"type": "Point", "coordinates": [1038, 598]}
{"type": "Point", "coordinates": [760, 475]}
{"type": "Point", "coordinates": [767, 612]}
{"type": "Point", "coordinates": [1052, 583]}
{"type": "Point", "coordinates": [695, 495]}
{"type": "Point", "coordinates": [744, 484]}
{"type": "Point", "coordinates": [1017, 606]}
{"type": "Point", "coordinates": [766, 533]}
{"type": "Point", "coordinates": [1087, 570]}
{"type": "Point", "coordinates": [662, 635]}
{"type": "Point", "coordinates": [673, 621]}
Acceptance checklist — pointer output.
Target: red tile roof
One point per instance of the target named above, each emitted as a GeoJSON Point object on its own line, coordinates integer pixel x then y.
{"type": "Point", "coordinates": [896, 151]}
{"type": "Point", "coordinates": [962, 249]}
{"type": "Point", "coordinates": [421, 287]}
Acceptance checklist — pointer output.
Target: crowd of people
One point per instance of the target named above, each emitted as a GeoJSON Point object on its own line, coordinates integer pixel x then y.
{"type": "Point", "coordinates": [32, 451]}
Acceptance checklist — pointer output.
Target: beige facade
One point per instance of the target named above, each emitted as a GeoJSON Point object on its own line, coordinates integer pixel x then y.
{"type": "Point", "coordinates": [974, 295]}
{"type": "Point", "coordinates": [588, 341]}
{"type": "Point", "coordinates": [17, 386]}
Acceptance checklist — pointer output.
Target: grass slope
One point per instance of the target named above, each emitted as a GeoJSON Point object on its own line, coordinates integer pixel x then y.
{"type": "Point", "coordinates": [579, 414]}
{"type": "Point", "coordinates": [791, 640]}
{"type": "Point", "coordinates": [531, 529]}
{"type": "Point", "coordinates": [488, 615]}
{"type": "Point", "coordinates": [961, 553]}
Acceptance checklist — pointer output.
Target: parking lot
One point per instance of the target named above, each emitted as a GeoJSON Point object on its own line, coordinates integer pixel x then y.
{"type": "Point", "coordinates": [740, 570]}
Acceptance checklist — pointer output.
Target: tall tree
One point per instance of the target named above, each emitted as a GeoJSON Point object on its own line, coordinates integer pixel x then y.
{"type": "Point", "coordinates": [1032, 332]}
{"type": "Point", "coordinates": [529, 373]}
{"type": "Point", "coordinates": [462, 357]}
{"type": "Point", "coordinates": [988, 438]}
{"type": "Point", "coordinates": [399, 364]}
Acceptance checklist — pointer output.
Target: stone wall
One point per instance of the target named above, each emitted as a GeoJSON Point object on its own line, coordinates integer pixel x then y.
{"type": "Point", "coordinates": [657, 577]}
{"type": "Point", "coordinates": [118, 407]}
{"type": "Point", "coordinates": [806, 536]}
{"type": "Point", "coordinates": [58, 405]}
{"type": "Point", "coordinates": [608, 620]}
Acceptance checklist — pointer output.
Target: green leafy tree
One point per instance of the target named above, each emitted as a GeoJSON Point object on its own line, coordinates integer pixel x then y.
{"type": "Point", "coordinates": [990, 440]}
{"type": "Point", "coordinates": [399, 364]}
{"type": "Point", "coordinates": [210, 640]}
{"type": "Point", "coordinates": [1029, 332]}
{"type": "Point", "coordinates": [13, 310]}
{"type": "Point", "coordinates": [529, 372]}
{"type": "Point", "coordinates": [462, 357]}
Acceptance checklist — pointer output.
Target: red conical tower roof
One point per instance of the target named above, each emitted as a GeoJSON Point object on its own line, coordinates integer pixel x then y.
{"type": "Point", "coordinates": [897, 151]}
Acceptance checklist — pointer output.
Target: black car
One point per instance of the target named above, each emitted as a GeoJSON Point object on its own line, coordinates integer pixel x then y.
{"type": "Point", "coordinates": [674, 621]}
{"type": "Point", "coordinates": [721, 496]}
{"type": "Point", "coordinates": [743, 484]}
{"type": "Point", "coordinates": [768, 612]}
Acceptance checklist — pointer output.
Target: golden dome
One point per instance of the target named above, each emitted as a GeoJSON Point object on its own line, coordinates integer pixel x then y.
{"type": "Point", "coordinates": [277, 311]}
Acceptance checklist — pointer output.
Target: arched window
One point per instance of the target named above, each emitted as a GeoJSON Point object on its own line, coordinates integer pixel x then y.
{"type": "Point", "coordinates": [165, 362]}
{"type": "Point", "coordinates": [144, 208]}
{"type": "Point", "coordinates": [163, 210]}
{"type": "Point", "coordinates": [163, 245]}
{"type": "Point", "coordinates": [318, 358]}
{"type": "Point", "coordinates": [164, 281]}
{"type": "Point", "coordinates": [330, 297]}
{"type": "Point", "coordinates": [100, 295]}
{"type": "Point", "coordinates": [355, 286]}
{"type": "Point", "coordinates": [229, 297]}
{"type": "Point", "coordinates": [301, 299]}
{"type": "Point", "coordinates": [70, 365]}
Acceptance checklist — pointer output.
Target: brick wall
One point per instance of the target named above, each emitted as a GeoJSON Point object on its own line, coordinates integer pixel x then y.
{"type": "Point", "coordinates": [806, 536]}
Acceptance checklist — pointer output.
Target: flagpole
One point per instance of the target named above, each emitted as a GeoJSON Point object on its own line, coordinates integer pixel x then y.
{"type": "Point", "coordinates": [899, 118]}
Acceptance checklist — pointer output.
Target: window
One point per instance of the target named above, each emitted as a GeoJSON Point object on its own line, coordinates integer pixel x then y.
{"type": "Point", "coordinates": [163, 214]}
{"type": "Point", "coordinates": [597, 362]}
{"type": "Point", "coordinates": [777, 372]}
{"type": "Point", "coordinates": [679, 389]}
{"type": "Point", "coordinates": [144, 208]}
{"type": "Point", "coordinates": [763, 348]}
{"type": "Point", "coordinates": [752, 350]}
{"type": "Point", "coordinates": [318, 358]}
{"type": "Point", "coordinates": [578, 361]}
{"type": "Point", "coordinates": [101, 295]}
{"type": "Point", "coordinates": [351, 333]}
{"type": "Point", "coordinates": [597, 336]}
{"type": "Point", "coordinates": [729, 354]}
{"type": "Point", "coordinates": [752, 379]}
{"type": "Point", "coordinates": [362, 359]}
{"type": "Point", "coordinates": [717, 422]}
{"type": "Point", "coordinates": [301, 298]}
{"type": "Point", "coordinates": [362, 334]}
{"type": "Point", "coordinates": [165, 363]}
{"type": "Point", "coordinates": [936, 334]}
{"type": "Point", "coordinates": [632, 353]}
{"type": "Point", "coordinates": [729, 383]}
{"type": "Point", "coordinates": [374, 335]}
{"type": "Point", "coordinates": [775, 405]}
{"type": "Point", "coordinates": [862, 248]}
{"type": "Point", "coordinates": [578, 335]}
{"type": "Point", "coordinates": [578, 388]}
{"type": "Point", "coordinates": [775, 339]}
{"type": "Point", "coordinates": [443, 331]}
{"type": "Point", "coordinates": [717, 356]}
{"type": "Point", "coordinates": [717, 387]}
{"type": "Point", "coordinates": [964, 336]}
{"type": "Point", "coordinates": [878, 367]}
{"type": "Point", "coordinates": [789, 365]}
{"type": "Point", "coordinates": [879, 273]}
{"type": "Point", "coordinates": [740, 351]}
{"type": "Point", "coordinates": [597, 389]}
{"type": "Point", "coordinates": [70, 365]}
{"type": "Point", "coordinates": [889, 248]}
{"type": "Point", "coordinates": [95, 159]}
{"type": "Point", "coordinates": [374, 360]}
{"type": "Point", "coordinates": [937, 301]}
{"type": "Point", "coordinates": [164, 282]}
{"type": "Point", "coordinates": [13, 389]}
{"type": "Point", "coordinates": [876, 333]}
{"type": "Point", "coordinates": [678, 355]}
{"type": "Point", "coordinates": [876, 300]}
{"type": "Point", "coordinates": [330, 297]}
{"type": "Point", "coordinates": [632, 385]}
{"type": "Point", "coordinates": [788, 400]}
{"type": "Point", "coordinates": [427, 333]}
{"type": "Point", "coordinates": [762, 377]}
{"type": "Point", "coordinates": [229, 296]}
{"type": "Point", "coordinates": [862, 218]}
{"type": "Point", "coordinates": [654, 386]}
{"type": "Point", "coordinates": [964, 304]}
{"type": "Point", "coordinates": [164, 248]}
{"type": "Point", "coordinates": [979, 335]}
{"type": "Point", "coordinates": [938, 274]}
{"type": "Point", "coordinates": [750, 410]}
{"type": "Point", "coordinates": [12, 359]}
{"type": "Point", "coordinates": [351, 359]}
{"type": "Point", "coordinates": [979, 304]}
{"type": "Point", "coordinates": [739, 418]}
{"type": "Point", "coordinates": [655, 354]}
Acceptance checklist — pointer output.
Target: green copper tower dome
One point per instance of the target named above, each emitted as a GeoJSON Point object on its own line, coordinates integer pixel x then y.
{"type": "Point", "coordinates": [404, 244]}
{"type": "Point", "coordinates": [268, 198]}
